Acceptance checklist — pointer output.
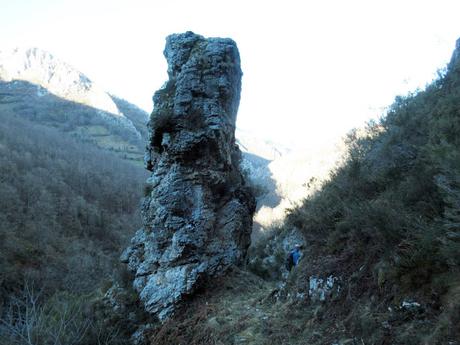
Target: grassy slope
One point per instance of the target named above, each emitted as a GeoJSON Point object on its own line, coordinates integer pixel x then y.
{"type": "Point", "coordinates": [237, 309]}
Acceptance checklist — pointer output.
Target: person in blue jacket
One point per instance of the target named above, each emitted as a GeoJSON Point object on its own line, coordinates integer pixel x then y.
{"type": "Point", "coordinates": [293, 257]}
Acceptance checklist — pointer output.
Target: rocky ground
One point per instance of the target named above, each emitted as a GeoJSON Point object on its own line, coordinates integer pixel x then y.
{"type": "Point", "coordinates": [241, 308]}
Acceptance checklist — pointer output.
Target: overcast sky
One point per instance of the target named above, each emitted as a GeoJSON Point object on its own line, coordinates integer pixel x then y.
{"type": "Point", "coordinates": [312, 69]}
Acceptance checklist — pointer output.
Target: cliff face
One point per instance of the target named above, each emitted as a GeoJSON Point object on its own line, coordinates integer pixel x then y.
{"type": "Point", "coordinates": [197, 213]}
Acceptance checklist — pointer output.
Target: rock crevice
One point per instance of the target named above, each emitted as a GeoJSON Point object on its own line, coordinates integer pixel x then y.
{"type": "Point", "coordinates": [197, 213]}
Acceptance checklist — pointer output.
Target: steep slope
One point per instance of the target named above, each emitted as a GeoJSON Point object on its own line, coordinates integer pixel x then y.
{"type": "Point", "coordinates": [384, 230]}
{"type": "Point", "coordinates": [67, 210]}
{"type": "Point", "coordinates": [381, 264]}
{"type": "Point", "coordinates": [46, 90]}
{"type": "Point", "coordinates": [57, 77]}
{"type": "Point", "coordinates": [55, 190]}
{"type": "Point", "coordinates": [69, 195]}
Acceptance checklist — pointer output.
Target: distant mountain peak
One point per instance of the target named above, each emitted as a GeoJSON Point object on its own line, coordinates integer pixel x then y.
{"type": "Point", "coordinates": [37, 86]}
{"type": "Point", "coordinates": [40, 67]}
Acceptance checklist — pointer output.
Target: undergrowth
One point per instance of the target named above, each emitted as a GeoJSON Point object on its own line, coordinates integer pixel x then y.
{"type": "Point", "coordinates": [389, 218]}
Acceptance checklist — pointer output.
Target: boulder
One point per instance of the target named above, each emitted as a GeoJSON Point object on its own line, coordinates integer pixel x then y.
{"type": "Point", "coordinates": [197, 212]}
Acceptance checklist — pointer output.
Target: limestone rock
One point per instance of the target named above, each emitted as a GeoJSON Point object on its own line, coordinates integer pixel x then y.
{"type": "Point", "coordinates": [321, 289]}
{"type": "Point", "coordinates": [268, 257]}
{"type": "Point", "coordinates": [197, 216]}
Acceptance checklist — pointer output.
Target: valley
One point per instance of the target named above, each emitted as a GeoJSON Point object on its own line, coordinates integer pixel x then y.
{"type": "Point", "coordinates": [96, 250]}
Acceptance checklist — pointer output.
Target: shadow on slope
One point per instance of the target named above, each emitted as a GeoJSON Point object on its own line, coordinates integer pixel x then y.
{"type": "Point", "coordinates": [258, 175]}
{"type": "Point", "coordinates": [108, 131]}
{"type": "Point", "coordinates": [386, 226]}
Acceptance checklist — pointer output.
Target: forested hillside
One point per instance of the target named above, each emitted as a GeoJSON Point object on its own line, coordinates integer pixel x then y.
{"type": "Point", "coordinates": [67, 211]}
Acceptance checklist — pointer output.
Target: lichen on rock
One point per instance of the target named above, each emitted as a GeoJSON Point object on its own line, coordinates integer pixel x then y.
{"type": "Point", "coordinates": [197, 214]}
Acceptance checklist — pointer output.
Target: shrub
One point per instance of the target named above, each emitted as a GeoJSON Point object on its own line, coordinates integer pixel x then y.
{"type": "Point", "coordinates": [393, 206]}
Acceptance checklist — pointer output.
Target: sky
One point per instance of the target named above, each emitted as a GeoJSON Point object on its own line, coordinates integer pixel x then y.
{"type": "Point", "coordinates": [313, 70]}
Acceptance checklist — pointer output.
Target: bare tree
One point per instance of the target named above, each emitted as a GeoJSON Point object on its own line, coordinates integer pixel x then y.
{"type": "Point", "coordinates": [27, 322]}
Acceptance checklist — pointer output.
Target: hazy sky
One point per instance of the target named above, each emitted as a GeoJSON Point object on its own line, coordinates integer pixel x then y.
{"type": "Point", "coordinates": [312, 69]}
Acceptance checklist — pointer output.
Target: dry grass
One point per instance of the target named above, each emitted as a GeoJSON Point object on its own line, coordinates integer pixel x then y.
{"type": "Point", "coordinates": [236, 309]}
{"type": "Point", "coordinates": [241, 308]}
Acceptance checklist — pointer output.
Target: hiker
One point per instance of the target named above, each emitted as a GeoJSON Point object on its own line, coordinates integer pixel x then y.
{"type": "Point", "coordinates": [293, 257]}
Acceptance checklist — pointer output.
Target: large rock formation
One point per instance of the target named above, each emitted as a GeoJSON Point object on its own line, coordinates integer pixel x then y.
{"type": "Point", "coordinates": [197, 212]}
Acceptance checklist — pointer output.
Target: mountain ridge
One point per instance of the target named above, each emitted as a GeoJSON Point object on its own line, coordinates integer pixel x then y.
{"type": "Point", "coordinates": [41, 88]}
{"type": "Point", "coordinates": [56, 76]}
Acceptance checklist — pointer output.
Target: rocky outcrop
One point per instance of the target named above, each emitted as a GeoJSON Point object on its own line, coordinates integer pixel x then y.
{"type": "Point", "coordinates": [197, 212]}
